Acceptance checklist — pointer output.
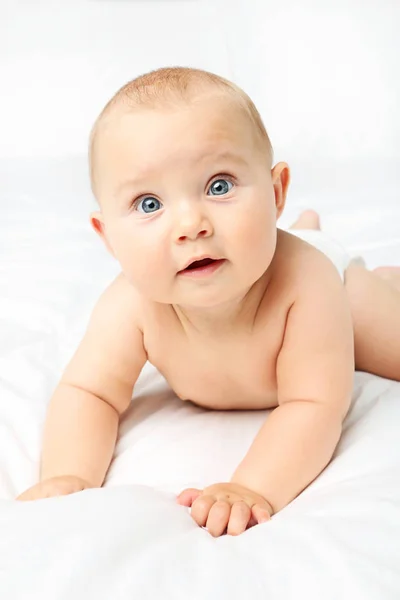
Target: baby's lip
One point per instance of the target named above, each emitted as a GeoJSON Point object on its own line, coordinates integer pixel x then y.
{"type": "Point", "coordinates": [199, 258]}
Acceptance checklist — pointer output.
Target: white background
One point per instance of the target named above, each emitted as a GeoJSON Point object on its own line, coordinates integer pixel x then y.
{"type": "Point", "coordinates": [62, 61]}
{"type": "Point", "coordinates": [325, 75]}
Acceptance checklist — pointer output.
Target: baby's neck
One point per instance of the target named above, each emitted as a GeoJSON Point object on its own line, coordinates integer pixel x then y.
{"type": "Point", "coordinates": [240, 312]}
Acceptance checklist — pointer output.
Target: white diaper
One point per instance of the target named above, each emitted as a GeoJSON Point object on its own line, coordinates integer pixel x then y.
{"type": "Point", "coordinates": [332, 249]}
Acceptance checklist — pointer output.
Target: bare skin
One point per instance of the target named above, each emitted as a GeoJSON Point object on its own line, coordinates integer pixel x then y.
{"type": "Point", "coordinates": [272, 326]}
{"type": "Point", "coordinates": [389, 274]}
{"type": "Point", "coordinates": [375, 302]}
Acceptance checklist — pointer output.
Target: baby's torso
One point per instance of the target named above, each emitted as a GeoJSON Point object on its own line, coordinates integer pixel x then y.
{"type": "Point", "coordinates": [233, 370]}
{"type": "Point", "coordinates": [224, 372]}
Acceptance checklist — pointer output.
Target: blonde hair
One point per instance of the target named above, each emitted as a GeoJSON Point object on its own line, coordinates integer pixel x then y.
{"type": "Point", "coordinates": [170, 85]}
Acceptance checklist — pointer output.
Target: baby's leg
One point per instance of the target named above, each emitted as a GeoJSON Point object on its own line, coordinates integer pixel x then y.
{"type": "Point", "coordinates": [309, 219]}
{"type": "Point", "coordinates": [389, 274]}
{"type": "Point", "coordinates": [375, 306]}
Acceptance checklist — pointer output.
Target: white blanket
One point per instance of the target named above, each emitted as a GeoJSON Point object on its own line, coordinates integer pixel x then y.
{"type": "Point", "coordinates": [339, 539]}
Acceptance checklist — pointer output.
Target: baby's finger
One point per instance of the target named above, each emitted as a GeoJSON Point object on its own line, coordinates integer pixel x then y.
{"type": "Point", "coordinates": [41, 493]}
{"type": "Point", "coordinates": [240, 517]}
{"type": "Point", "coordinates": [188, 496]}
{"type": "Point", "coordinates": [26, 496]}
{"type": "Point", "coordinates": [260, 513]}
{"type": "Point", "coordinates": [200, 509]}
{"type": "Point", "coordinates": [218, 518]}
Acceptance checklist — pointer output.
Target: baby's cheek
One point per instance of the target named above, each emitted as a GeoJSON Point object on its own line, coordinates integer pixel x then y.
{"type": "Point", "coordinates": [137, 264]}
{"type": "Point", "coordinates": [258, 251]}
{"type": "Point", "coordinates": [144, 267]}
{"type": "Point", "coordinates": [255, 234]}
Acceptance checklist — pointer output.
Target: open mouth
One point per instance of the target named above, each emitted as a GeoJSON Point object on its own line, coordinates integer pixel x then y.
{"type": "Point", "coordinates": [203, 267]}
{"type": "Point", "coordinates": [197, 264]}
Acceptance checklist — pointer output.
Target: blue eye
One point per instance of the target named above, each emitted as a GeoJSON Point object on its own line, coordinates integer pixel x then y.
{"type": "Point", "coordinates": [219, 187]}
{"type": "Point", "coordinates": [149, 204]}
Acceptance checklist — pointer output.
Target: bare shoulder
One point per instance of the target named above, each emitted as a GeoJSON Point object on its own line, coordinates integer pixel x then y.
{"type": "Point", "coordinates": [111, 354]}
{"type": "Point", "coordinates": [120, 295]}
{"type": "Point", "coordinates": [303, 267]}
{"type": "Point", "coordinates": [316, 360]}
{"type": "Point", "coordinates": [298, 272]}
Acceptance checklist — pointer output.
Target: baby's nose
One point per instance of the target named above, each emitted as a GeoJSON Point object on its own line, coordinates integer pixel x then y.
{"type": "Point", "coordinates": [192, 224]}
{"type": "Point", "coordinates": [193, 235]}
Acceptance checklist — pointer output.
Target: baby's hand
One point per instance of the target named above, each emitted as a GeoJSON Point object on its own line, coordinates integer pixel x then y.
{"type": "Point", "coordinates": [56, 486]}
{"type": "Point", "coordinates": [227, 506]}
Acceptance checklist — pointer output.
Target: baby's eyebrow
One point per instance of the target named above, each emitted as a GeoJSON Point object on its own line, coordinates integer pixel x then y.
{"type": "Point", "coordinates": [227, 155]}
{"type": "Point", "coordinates": [128, 184]}
{"type": "Point", "coordinates": [220, 156]}
{"type": "Point", "coordinates": [224, 156]}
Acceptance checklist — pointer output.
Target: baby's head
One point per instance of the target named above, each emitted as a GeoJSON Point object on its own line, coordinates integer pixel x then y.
{"type": "Point", "coordinates": [180, 164]}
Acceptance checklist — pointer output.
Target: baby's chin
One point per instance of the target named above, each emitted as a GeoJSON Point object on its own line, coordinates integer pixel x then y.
{"type": "Point", "coordinates": [196, 299]}
{"type": "Point", "coordinates": [212, 300]}
{"type": "Point", "coordinates": [213, 293]}
{"type": "Point", "coordinates": [193, 300]}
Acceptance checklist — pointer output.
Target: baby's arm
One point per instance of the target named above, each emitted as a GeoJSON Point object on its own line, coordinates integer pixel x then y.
{"type": "Point", "coordinates": [95, 389]}
{"type": "Point", "coordinates": [315, 377]}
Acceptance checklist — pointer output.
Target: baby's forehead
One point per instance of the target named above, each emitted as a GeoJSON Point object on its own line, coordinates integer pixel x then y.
{"type": "Point", "coordinates": [213, 121]}
{"type": "Point", "coordinates": [218, 108]}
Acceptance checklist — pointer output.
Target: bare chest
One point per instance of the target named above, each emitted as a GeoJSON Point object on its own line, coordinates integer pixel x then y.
{"type": "Point", "coordinates": [234, 371]}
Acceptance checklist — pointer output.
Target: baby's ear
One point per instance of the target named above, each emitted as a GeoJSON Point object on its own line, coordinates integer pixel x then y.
{"type": "Point", "coordinates": [280, 179]}
{"type": "Point", "coordinates": [97, 222]}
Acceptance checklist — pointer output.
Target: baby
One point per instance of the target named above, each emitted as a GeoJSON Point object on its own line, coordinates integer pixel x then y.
{"type": "Point", "coordinates": [234, 312]}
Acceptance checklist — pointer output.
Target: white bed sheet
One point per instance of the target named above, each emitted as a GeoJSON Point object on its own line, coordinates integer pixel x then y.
{"type": "Point", "coordinates": [339, 539]}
